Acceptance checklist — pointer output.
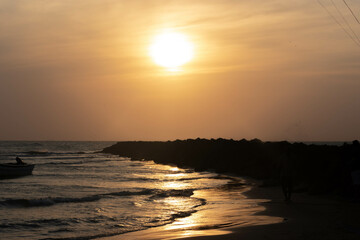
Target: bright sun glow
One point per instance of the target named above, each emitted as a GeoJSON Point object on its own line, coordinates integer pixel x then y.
{"type": "Point", "coordinates": [171, 50]}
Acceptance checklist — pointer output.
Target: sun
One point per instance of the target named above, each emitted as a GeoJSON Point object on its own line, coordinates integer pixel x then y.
{"type": "Point", "coordinates": [171, 50]}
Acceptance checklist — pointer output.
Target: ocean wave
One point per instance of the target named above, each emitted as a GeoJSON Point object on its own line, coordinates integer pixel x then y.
{"type": "Point", "coordinates": [116, 227]}
{"type": "Point", "coordinates": [191, 178]}
{"type": "Point", "coordinates": [182, 214]}
{"type": "Point", "coordinates": [75, 162]}
{"type": "Point", "coordinates": [155, 193]}
{"type": "Point", "coordinates": [45, 152]}
{"type": "Point", "coordinates": [70, 157]}
{"type": "Point", "coordinates": [36, 152]}
{"type": "Point", "coordinates": [17, 225]}
{"type": "Point", "coordinates": [121, 229]}
{"type": "Point", "coordinates": [60, 230]}
{"type": "Point", "coordinates": [146, 179]}
{"type": "Point", "coordinates": [40, 223]}
{"type": "Point", "coordinates": [128, 193]}
{"type": "Point", "coordinates": [173, 193]}
{"type": "Point", "coordinates": [202, 202]}
{"type": "Point", "coordinates": [44, 202]}
{"type": "Point", "coordinates": [214, 226]}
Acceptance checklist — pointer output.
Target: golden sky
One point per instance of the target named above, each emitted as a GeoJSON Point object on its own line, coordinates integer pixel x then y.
{"type": "Point", "coordinates": [274, 70]}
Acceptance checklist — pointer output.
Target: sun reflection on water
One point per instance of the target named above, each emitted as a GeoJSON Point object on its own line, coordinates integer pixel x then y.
{"type": "Point", "coordinates": [237, 210]}
{"type": "Point", "coordinates": [175, 185]}
{"type": "Point", "coordinates": [176, 175]}
{"type": "Point", "coordinates": [174, 169]}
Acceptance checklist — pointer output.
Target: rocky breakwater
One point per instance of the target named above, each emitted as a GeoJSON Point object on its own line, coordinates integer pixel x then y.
{"type": "Point", "coordinates": [316, 169]}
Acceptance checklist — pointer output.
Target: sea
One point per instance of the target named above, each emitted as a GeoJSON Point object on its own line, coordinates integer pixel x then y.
{"type": "Point", "coordinates": [77, 192]}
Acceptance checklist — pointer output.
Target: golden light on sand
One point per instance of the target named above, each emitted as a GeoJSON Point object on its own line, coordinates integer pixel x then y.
{"type": "Point", "coordinates": [171, 50]}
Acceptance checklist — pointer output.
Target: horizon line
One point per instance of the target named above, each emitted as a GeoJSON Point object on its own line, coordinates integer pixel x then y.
{"type": "Point", "coordinates": [139, 140]}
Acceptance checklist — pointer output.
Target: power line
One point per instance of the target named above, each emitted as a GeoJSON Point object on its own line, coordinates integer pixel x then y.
{"type": "Point", "coordinates": [351, 12]}
{"type": "Point", "coordinates": [342, 27]}
{"type": "Point", "coordinates": [346, 22]}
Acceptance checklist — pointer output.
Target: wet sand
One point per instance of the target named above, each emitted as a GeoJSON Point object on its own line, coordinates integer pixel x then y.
{"type": "Point", "coordinates": [264, 216]}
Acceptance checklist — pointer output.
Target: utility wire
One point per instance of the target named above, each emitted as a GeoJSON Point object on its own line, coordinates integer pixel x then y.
{"type": "Point", "coordinates": [342, 27]}
{"type": "Point", "coordinates": [346, 22]}
{"type": "Point", "coordinates": [351, 12]}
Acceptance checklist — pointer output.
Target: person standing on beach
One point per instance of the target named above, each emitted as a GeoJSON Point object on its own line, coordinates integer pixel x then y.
{"type": "Point", "coordinates": [286, 177]}
{"type": "Point", "coordinates": [355, 168]}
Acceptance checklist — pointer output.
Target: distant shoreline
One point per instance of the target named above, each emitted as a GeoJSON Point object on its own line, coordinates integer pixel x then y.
{"type": "Point", "coordinates": [330, 143]}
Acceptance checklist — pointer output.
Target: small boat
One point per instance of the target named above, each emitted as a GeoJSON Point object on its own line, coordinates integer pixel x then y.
{"type": "Point", "coordinates": [15, 170]}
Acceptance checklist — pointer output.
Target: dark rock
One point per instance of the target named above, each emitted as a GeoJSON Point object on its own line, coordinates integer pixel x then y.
{"type": "Point", "coordinates": [318, 169]}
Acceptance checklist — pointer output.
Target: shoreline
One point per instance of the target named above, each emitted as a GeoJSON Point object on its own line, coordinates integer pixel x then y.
{"type": "Point", "coordinates": [317, 169]}
{"type": "Point", "coordinates": [307, 217]}
{"type": "Point", "coordinates": [212, 219]}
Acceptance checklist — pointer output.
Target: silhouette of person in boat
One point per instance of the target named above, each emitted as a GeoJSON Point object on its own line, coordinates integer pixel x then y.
{"type": "Point", "coordinates": [19, 161]}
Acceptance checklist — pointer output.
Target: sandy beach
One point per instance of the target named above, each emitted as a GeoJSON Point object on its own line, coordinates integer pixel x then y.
{"type": "Point", "coordinates": [306, 217]}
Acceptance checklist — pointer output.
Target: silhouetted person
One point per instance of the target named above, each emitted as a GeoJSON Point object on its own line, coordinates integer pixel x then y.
{"type": "Point", "coordinates": [355, 168]}
{"type": "Point", "coordinates": [286, 177]}
{"type": "Point", "coordinates": [19, 161]}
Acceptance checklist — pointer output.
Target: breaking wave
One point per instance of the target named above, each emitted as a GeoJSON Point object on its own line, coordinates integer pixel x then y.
{"type": "Point", "coordinates": [43, 202]}
{"type": "Point", "coordinates": [45, 152]}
